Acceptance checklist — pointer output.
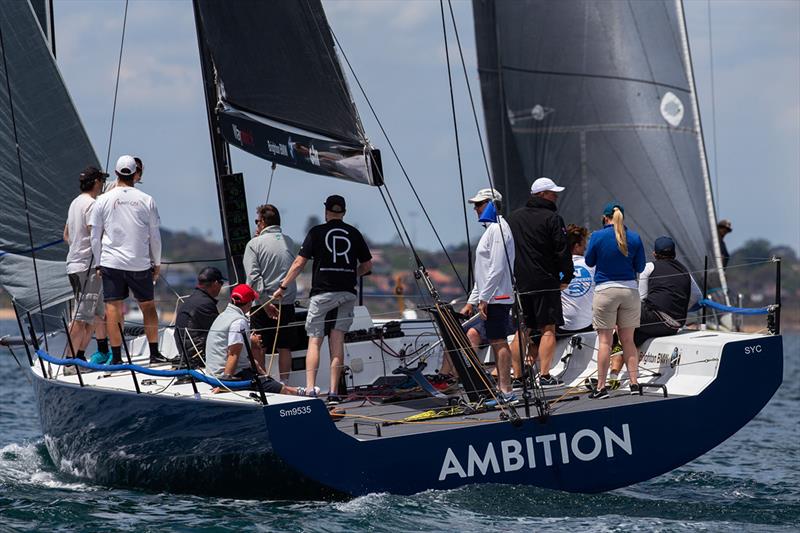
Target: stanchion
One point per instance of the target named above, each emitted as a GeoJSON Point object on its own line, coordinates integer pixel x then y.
{"type": "Point", "coordinates": [22, 333]}
{"type": "Point", "coordinates": [188, 366]}
{"type": "Point", "coordinates": [72, 349]}
{"type": "Point", "coordinates": [35, 344]}
{"type": "Point", "coordinates": [128, 356]}
{"type": "Point", "coordinates": [253, 367]}
{"type": "Point", "coordinates": [777, 295]}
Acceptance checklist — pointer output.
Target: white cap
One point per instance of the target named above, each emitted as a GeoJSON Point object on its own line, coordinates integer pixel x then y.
{"type": "Point", "coordinates": [126, 165]}
{"type": "Point", "coordinates": [545, 184]}
{"type": "Point", "coordinates": [486, 194]}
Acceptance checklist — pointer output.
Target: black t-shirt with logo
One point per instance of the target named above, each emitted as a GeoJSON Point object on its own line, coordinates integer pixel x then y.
{"type": "Point", "coordinates": [337, 249]}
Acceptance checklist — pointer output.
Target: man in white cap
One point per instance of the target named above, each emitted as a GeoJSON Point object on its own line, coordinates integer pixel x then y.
{"type": "Point", "coordinates": [493, 292]}
{"type": "Point", "coordinates": [543, 266]}
{"type": "Point", "coordinates": [126, 238]}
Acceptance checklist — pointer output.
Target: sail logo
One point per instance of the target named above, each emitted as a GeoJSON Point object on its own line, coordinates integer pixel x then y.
{"type": "Point", "coordinates": [672, 109]}
{"type": "Point", "coordinates": [338, 245]}
{"type": "Point", "coordinates": [243, 137]}
{"type": "Point", "coordinates": [513, 455]}
{"type": "Point", "coordinates": [313, 156]}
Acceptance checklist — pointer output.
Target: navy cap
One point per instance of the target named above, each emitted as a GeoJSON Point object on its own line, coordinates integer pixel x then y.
{"type": "Point", "coordinates": [664, 246]}
{"type": "Point", "coordinates": [335, 204]}
{"type": "Point", "coordinates": [608, 210]}
{"type": "Point", "coordinates": [210, 274]}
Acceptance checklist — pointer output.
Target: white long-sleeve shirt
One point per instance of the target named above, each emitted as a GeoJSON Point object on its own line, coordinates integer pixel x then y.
{"type": "Point", "coordinates": [125, 230]}
{"type": "Point", "coordinates": [696, 294]}
{"type": "Point", "coordinates": [494, 265]}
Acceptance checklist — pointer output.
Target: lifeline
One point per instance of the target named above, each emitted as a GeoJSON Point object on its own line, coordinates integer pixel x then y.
{"type": "Point", "coordinates": [511, 457]}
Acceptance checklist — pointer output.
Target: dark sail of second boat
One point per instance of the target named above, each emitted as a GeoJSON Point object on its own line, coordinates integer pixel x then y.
{"type": "Point", "coordinates": [599, 96]}
{"type": "Point", "coordinates": [284, 96]}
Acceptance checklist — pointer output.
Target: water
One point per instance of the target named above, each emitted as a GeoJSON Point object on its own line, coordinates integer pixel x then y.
{"type": "Point", "coordinates": [750, 483]}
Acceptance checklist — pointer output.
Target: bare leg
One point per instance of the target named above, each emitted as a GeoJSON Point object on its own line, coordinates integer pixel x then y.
{"type": "Point", "coordinates": [150, 320]}
{"type": "Point", "coordinates": [603, 356]}
{"type": "Point", "coordinates": [630, 353]}
{"type": "Point", "coordinates": [284, 363]}
{"type": "Point", "coordinates": [113, 321]}
{"type": "Point", "coordinates": [516, 360]}
{"type": "Point", "coordinates": [100, 328]}
{"type": "Point", "coordinates": [474, 338]}
{"type": "Point", "coordinates": [80, 334]}
{"type": "Point", "coordinates": [547, 347]}
{"type": "Point", "coordinates": [312, 361]}
{"type": "Point", "coordinates": [336, 346]}
{"type": "Point", "coordinates": [502, 355]}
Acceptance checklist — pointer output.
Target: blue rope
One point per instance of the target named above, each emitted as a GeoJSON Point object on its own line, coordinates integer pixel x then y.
{"type": "Point", "coordinates": [199, 376]}
{"type": "Point", "coordinates": [737, 310]}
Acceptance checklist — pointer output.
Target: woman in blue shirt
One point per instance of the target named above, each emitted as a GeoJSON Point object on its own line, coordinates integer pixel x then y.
{"type": "Point", "coordinates": [618, 257]}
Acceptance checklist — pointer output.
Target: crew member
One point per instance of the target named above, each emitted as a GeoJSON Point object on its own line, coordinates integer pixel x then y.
{"type": "Point", "coordinates": [86, 284]}
{"type": "Point", "coordinates": [723, 228]}
{"type": "Point", "coordinates": [667, 291]}
{"type": "Point", "coordinates": [340, 254]}
{"type": "Point", "coordinates": [226, 356]}
{"type": "Point", "coordinates": [576, 299]}
{"type": "Point", "coordinates": [493, 292]}
{"type": "Point", "coordinates": [542, 266]}
{"type": "Point", "coordinates": [267, 258]}
{"type": "Point", "coordinates": [195, 315]}
{"type": "Point", "coordinates": [126, 238]}
{"type": "Point", "coordinates": [618, 256]}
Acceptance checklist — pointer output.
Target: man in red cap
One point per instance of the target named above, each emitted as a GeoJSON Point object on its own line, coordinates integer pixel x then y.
{"type": "Point", "coordinates": [226, 357]}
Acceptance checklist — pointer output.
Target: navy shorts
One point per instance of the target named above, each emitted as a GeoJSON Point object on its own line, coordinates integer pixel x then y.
{"type": "Point", "coordinates": [498, 324]}
{"type": "Point", "coordinates": [267, 383]}
{"type": "Point", "coordinates": [117, 283]}
{"type": "Point", "coordinates": [542, 309]}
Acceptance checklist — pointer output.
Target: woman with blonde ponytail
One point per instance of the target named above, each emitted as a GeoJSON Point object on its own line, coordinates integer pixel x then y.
{"type": "Point", "coordinates": [618, 257]}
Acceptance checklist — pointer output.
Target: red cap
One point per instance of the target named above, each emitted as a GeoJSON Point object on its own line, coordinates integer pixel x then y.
{"type": "Point", "coordinates": [243, 294]}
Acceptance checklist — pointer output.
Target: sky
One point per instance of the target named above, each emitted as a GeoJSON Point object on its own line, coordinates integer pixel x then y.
{"type": "Point", "coordinates": [397, 51]}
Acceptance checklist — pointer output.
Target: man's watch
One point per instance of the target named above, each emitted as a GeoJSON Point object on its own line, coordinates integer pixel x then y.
{"type": "Point", "coordinates": [283, 287]}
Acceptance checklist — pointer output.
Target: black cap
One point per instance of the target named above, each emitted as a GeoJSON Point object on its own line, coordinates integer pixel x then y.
{"type": "Point", "coordinates": [335, 204]}
{"type": "Point", "coordinates": [91, 173]}
{"type": "Point", "coordinates": [210, 274]}
{"type": "Point", "coordinates": [664, 246]}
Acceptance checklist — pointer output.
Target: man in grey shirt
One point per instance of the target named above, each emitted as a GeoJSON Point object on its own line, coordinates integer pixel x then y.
{"type": "Point", "coordinates": [266, 261]}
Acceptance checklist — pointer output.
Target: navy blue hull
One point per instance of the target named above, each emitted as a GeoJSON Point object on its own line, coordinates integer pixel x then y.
{"type": "Point", "coordinates": [165, 443]}
{"type": "Point", "coordinates": [589, 451]}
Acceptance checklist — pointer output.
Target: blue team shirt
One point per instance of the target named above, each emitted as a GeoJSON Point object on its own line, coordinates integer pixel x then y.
{"type": "Point", "coordinates": [610, 265]}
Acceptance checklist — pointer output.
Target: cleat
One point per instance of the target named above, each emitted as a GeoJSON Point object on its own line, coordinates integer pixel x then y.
{"type": "Point", "coordinates": [590, 383]}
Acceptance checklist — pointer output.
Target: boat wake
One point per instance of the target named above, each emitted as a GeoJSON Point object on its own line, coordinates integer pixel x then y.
{"type": "Point", "coordinates": [28, 464]}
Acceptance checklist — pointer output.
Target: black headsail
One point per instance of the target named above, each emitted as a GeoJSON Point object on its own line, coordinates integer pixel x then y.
{"type": "Point", "coordinates": [599, 96]}
{"type": "Point", "coordinates": [282, 94]}
{"type": "Point", "coordinates": [53, 148]}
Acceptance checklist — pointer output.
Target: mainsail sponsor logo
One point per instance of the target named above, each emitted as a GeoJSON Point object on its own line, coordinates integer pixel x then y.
{"type": "Point", "coordinates": [541, 451]}
{"type": "Point", "coordinates": [243, 137]}
{"type": "Point", "coordinates": [277, 149]}
{"type": "Point", "coordinates": [671, 109]}
{"type": "Point", "coordinates": [313, 156]}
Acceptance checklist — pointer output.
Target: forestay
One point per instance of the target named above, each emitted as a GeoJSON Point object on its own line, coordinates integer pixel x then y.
{"type": "Point", "coordinates": [598, 96]}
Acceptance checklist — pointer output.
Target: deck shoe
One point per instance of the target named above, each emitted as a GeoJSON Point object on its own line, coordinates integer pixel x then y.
{"type": "Point", "coordinates": [158, 359]}
{"type": "Point", "coordinates": [597, 394]}
{"type": "Point", "coordinates": [550, 381]}
{"type": "Point", "coordinates": [613, 384]}
{"type": "Point", "coordinates": [507, 397]}
{"type": "Point", "coordinates": [117, 361]}
{"type": "Point", "coordinates": [311, 393]}
{"type": "Point", "coordinates": [334, 399]}
{"type": "Point", "coordinates": [99, 358]}
{"type": "Point", "coordinates": [635, 389]}
{"type": "Point", "coordinates": [590, 383]}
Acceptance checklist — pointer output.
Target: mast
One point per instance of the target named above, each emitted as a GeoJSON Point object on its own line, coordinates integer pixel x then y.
{"type": "Point", "coordinates": [712, 214]}
{"type": "Point", "coordinates": [220, 151]}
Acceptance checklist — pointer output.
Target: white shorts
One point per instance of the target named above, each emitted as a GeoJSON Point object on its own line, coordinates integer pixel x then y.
{"type": "Point", "coordinates": [330, 310]}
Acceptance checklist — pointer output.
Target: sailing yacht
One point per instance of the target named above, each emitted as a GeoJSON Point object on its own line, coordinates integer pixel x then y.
{"type": "Point", "coordinates": [612, 111]}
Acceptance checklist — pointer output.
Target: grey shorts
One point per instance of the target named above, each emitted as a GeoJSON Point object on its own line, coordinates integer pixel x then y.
{"type": "Point", "coordinates": [330, 310]}
{"type": "Point", "coordinates": [88, 295]}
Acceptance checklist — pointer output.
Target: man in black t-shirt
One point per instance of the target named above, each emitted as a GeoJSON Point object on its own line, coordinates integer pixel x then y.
{"type": "Point", "coordinates": [339, 255]}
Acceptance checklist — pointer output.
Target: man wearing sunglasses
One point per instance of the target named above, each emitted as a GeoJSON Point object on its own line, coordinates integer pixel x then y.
{"type": "Point", "coordinates": [86, 284]}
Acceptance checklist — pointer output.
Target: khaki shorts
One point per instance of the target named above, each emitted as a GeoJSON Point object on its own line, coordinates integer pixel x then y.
{"type": "Point", "coordinates": [616, 306]}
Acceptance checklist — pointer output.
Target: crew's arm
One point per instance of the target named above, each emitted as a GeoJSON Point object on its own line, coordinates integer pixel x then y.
{"type": "Point", "coordinates": [496, 266]}
{"type": "Point", "coordinates": [590, 256]}
{"type": "Point", "coordinates": [66, 234]}
{"type": "Point", "coordinates": [364, 268]}
{"type": "Point", "coordinates": [251, 269]}
{"type": "Point", "coordinates": [298, 265]}
{"type": "Point", "coordinates": [96, 235]}
{"type": "Point", "coordinates": [232, 360]}
{"type": "Point", "coordinates": [643, 280]}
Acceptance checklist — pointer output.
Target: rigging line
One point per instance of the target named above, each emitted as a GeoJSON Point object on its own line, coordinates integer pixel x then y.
{"type": "Point", "coordinates": [399, 162]}
{"type": "Point", "coordinates": [271, 176]}
{"type": "Point", "coordinates": [24, 188]}
{"type": "Point", "coordinates": [713, 104]}
{"type": "Point", "coordinates": [458, 148]}
{"type": "Point", "coordinates": [116, 85]}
